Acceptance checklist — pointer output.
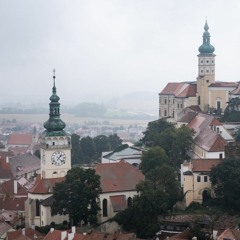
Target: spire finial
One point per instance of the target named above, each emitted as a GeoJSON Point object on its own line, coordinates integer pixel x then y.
{"type": "Point", "coordinates": [54, 77]}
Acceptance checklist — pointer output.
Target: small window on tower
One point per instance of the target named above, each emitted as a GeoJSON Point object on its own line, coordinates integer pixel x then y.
{"type": "Point", "coordinates": [207, 81]}
{"type": "Point", "coordinates": [202, 61]}
{"type": "Point", "coordinates": [207, 61]}
{"type": "Point", "coordinates": [207, 71]}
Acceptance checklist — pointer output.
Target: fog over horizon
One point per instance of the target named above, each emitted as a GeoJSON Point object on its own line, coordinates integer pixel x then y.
{"type": "Point", "coordinates": [111, 52]}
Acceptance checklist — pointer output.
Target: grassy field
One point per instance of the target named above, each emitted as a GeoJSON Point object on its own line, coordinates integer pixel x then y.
{"type": "Point", "coordinates": [70, 119]}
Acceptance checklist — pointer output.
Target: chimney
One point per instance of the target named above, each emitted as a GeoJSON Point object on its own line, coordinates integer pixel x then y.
{"type": "Point", "coordinates": [23, 231]}
{"type": "Point", "coordinates": [63, 235]}
{"type": "Point", "coordinates": [51, 230]}
{"type": "Point", "coordinates": [7, 159]}
{"type": "Point", "coordinates": [33, 226]}
{"type": "Point", "coordinates": [71, 236]}
{"type": "Point", "coordinates": [73, 229]}
{"type": "Point", "coordinates": [15, 186]}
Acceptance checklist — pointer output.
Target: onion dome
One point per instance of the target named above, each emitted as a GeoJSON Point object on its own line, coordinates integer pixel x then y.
{"type": "Point", "coordinates": [206, 47]}
{"type": "Point", "coordinates": [54, 125]}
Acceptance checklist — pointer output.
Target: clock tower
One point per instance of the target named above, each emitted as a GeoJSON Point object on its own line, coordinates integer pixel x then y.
{"type": "Point", "coordinates": [55, 142]}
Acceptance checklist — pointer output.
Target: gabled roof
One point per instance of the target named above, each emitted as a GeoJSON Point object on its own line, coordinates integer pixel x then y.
{"type": "Point", "coordinates": [8, 187]}
{"type": "Point", "coordinates": [204, 165]}
{"type": "Point", "coordinates": [118, 177]}
{"type": "Point", "coordinates": [45, 186]}
{"type": "Point", "coordinates": [20, 139]}
{"type": "Point", "coordinates": [25, 163]}
{"type": "Point", "coordinates": [236, 91]}
{"type": "Point", "coordinates": [204, 137]}
{"type": "Point", "coordinates": [4, 227]}
{"type": "Point", "coordinates": [182, 89]}
{"type": "Point", "coordinates": [119, 203]}
{"type": "Point", "coordinates": [230, 234]}
{"type": "Point", "coordinates": [13, 204]}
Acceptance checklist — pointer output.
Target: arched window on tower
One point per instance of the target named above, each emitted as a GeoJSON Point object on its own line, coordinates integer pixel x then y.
{"type": "Point", "coordinates": [105, 207]}
{"type": "Point", "coordinates": [37, 208]}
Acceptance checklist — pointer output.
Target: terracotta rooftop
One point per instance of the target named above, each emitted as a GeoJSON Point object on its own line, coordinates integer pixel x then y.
{"type": "Point", "coordinates": [204, 165]}
{"type": "Point", "coordinates": [182, 89]}
{"type": "Point", "coordinates": [8, 187]}
{"type": "Point", "coordinates": [5, 170]}
{"type": "Point", "coordinates": [20, 139]}
{"type": "Point", "coordinates": [44, 186]}
{"type": "Point", "coordinates": [24, 234]}
{"type": "Point", "coordinates": [224, 84]}
{"type": "Point", "coordinates": [117, 177]}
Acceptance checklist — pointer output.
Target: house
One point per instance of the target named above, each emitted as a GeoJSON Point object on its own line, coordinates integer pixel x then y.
{"type": "Point", "coordinates": [118, 183]}
{"type": "Point", "coordinates": [195, 179]}
{"type": "Point", "coordinates": [19, 139]}
{"type": "Point", "coordinates": [26, 165]}
{"type": "Point", "coordinates": [130, 154]}
{"type": "Point", "coordinates": [210, 95]}
{"type": "Point", "coordinates": [210, 136]}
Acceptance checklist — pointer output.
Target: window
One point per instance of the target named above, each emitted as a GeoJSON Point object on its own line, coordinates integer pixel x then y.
{"type": "Point", "coordinates": [105, 207]}
{"type": "Point", "coordinates": [199, 100]}
{"type": "Point", "coordinates": [207, 81]}
{"type": "Point", "coordinates": [165, 113]}
{"type": "Point", "coordinates": [165, 100]}
{"type": "Point", "coordinates": [220, 155]}
{"type": "Point", "coordinates": [207, 71]}
{"type": "Point", "coordinates": [198, 178]}
{"type": "Point", "coordinates": [205, 178]}
{"type": "Point", "coordinates": [207, 61]}
{"type": "Point", "coordinates": [53, 143]}
{"type": "Point", "coordinates": [218, 105]}
{"type": "Point", "coordinates": [201, 61]}
{"type": "Point", "coordinates": [129, 201]}
{"type": "Point", "coordinates": [37, 208]}
{"type": "Point", "coordinates": [217, 129]}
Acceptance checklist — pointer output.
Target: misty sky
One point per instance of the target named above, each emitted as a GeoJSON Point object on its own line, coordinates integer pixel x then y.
{"type": "Point", "coordinates": [107, 48]}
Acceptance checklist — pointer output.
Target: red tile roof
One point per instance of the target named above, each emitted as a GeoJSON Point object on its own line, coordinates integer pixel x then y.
{"type": "Point", "coordinates": [119, 203]}
{"type": "Point", "coordinates": [8, 186]}
{"type": "Point", "coordinates": [215, 122]}
{"type": "Point", "coordinates": [45, 186]}
{"type": "Point", "coordinates": [20, 139]}
{"type": "Point", "coordinates": [204, 165]}
{"type": "Point", "coordinates": [116, 177]}
{"type": "Point", "coordinates": [5, 170]}
{"type": "Point", "coordinates": [29, 234]}
{"type": "Point", "coordinates": [236, 91]}
{"type": "Point", "coordinates": [205, 137]}
{"type": "Point", "coordinates": [13, 204]}
{"type": "Point", "coordinates": [224, 84]}
{"type": "Point", "coordinates": [181, 89]}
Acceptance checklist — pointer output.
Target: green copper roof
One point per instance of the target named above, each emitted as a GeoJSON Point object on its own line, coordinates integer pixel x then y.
{"type": "Point", "coordinates": [206, 47]}
{"type": "Point", "coordinates": [54, 125]}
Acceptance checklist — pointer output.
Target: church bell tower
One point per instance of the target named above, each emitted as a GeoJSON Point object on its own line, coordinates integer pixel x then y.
{"type": "Point", "coordinates": [55, 142]}
{"type": "Point", "coordinates": [206, 70]}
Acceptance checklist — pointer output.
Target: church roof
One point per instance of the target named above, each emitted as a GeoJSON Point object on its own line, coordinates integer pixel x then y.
{"type": "Point", "coordinates": [45, 186]}
{"type": "Point", "coordinates": [20, 139]}
{"type": "Point", "coordinates": [118, 177]}
{"type": "Point", "coordinates": [181, 89]}
{"type": "Point", "coordinates": [223, 84]}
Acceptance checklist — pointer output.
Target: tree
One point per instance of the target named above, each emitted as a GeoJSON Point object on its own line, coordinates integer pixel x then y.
{"type": "Point", "coordinates": [151, 135]}
{"type": "Point", "coordinates": [155, 198]}
{"type": "Point", "coordinates": [114, 141]}
{"type": "Point", "coordinates": [153, 158]}
{"type": "Point", "coordinates": [102, 144]}
{"type": "Point", "coordinates": [181, 145]}
{"type": "Point", "coordinates": [89, 149]}
{"type": "Point", "coordinates": [76, 149]}
{"type": "Point", "coordinates": [77, 196]}
{"type": "Point", "coordinates": [225, 179]}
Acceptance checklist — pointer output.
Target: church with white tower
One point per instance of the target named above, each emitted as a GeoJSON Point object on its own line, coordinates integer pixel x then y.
{"type": "Point", "coordinates": [205, 92]}
{"type": "Point", "coordinates": [55, 148]}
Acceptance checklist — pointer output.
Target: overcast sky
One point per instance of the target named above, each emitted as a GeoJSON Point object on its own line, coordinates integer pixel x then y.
{"type": "Point", "coordinates": [107, 48]}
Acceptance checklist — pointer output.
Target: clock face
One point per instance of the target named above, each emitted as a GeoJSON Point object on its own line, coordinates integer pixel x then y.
{"type": "Point", "coordinates": [58, 158]}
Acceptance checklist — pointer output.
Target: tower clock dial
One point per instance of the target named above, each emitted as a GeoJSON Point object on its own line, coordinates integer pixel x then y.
{"type": "Point", "coordinates": [58, 158]}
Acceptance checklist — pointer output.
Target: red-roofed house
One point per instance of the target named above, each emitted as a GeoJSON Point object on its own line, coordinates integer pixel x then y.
{"type": "Point", "coordinates": [118, 183]}
{"type": "Point", "coordinates": [20, 140]}
{"type": "Point", "coordinates": [24, 234]}
{"type": "Point", "coordinates": [195, 178]}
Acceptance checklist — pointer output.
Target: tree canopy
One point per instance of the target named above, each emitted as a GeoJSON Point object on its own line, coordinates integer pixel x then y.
{"type": "Point", "coordinates": [225, 179]}
{"type": "Point", "coordinates": [175, 141]}
{"type": "Point", "coordinates": [157, 194]}
{"type": "Point", "coordinates": [77, 196]}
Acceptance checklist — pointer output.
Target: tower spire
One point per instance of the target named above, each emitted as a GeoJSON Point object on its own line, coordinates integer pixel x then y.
{"type": "Point", "coordinates": [206, 47]}
{"type": "Point", "coordinates": [54, 125]}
